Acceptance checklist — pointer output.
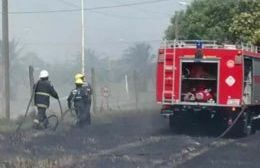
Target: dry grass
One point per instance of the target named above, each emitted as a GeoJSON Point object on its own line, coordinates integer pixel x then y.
{"type": "Point", "coordinates": [7, 126]}
{"type": "Point", "coordinates": [63, 162]}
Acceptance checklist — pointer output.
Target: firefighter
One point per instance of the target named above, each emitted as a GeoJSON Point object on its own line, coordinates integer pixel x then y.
{"type": "Point", "coordinates": [43, 90]}
{"type": "Point", "coordinates": [88, 89]}
{"type": "Point", "coordinates": [79, 97]}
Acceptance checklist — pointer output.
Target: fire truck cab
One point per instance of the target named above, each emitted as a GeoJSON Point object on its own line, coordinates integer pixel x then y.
{"type": "Point", "coordinates": [209, 81]}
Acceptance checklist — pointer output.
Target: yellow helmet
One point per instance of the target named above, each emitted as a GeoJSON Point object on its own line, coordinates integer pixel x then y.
{"type": "Point", "coordinates": [79, 75]}
{"type": "Point", "coordinates": [79, 81]}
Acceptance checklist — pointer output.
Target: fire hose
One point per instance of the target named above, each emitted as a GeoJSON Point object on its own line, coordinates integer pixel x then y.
{"type": "Point", "coordinates": [61, 112]}
{"type": "Point", "coordinates": [215, 143]}
{"type": "Point", "coordinates": [27, 109]}
{"type": "Point", "coordinates": [66, 111]}
{"type": "Point", "coordinates": [233, 123]}
{"type": "Point", "coordinates": [26, 112]}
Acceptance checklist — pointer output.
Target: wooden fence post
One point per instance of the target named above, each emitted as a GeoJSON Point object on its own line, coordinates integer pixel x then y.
{"type": "Point", "coordinates": [93, 83]}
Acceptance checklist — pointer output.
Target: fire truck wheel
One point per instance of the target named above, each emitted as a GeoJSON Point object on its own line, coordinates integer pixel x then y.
{"type": "Point", "coordinates": [246, 126]}
{"type": "Point", "coordinates": [253, 131]}
{"type": "Point", "coordinates": [175, 124]}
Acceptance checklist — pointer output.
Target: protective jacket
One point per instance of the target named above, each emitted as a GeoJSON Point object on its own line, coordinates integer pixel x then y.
{"type": "Point", "coordinates": [80, 98]}
{"type": "Point", "coordinates": [43, 91]}
{"type": "Point", "coordinates": [88, 90]}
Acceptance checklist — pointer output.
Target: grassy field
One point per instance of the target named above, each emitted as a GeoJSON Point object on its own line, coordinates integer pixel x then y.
{"type": "Point", "coordinates": [7, 126]}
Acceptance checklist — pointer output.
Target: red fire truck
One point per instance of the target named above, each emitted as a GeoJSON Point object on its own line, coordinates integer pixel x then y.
{"type": "Point", "coordinates": [209, 81]}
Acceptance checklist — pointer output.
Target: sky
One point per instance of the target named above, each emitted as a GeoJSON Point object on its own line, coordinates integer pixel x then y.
{"type": "Point", "coordinates": [57, 36]}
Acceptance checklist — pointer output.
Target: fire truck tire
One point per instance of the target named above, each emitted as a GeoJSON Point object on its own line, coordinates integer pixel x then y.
{"type": "Point", "coordinates": [246, 126]}
{"type": "Point", "coordinates": [253, 131]}
{"type": "Point", "coordinates": [251, 124]}
{"type": "Point", "coordinates": [175, 124]}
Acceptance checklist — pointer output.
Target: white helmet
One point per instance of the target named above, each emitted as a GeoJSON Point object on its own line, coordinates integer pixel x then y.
{"type": "Point", "coordinates": [44, 74]}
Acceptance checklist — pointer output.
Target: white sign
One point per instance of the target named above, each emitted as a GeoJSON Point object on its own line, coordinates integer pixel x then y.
{"type": "Point", "coordinates": [230, 81]}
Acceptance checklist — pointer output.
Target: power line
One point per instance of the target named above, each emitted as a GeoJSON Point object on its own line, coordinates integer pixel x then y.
{"type": "Point", "coordinates": [72, 44]}
{"type": "Point", "coordinates": [69, 3]}
{"type": "Point", "coordinates": [150, 11]}
{"type": "Point", "coordinates": [112, 15]}
{"type": "Point", "coordinates": [90, 9]}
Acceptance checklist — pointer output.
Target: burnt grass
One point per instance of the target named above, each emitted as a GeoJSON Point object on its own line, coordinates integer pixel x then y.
{"type": "Point", "coordinates": [106, 131]}
{"type": "Point", "coordinates": [74, 147]}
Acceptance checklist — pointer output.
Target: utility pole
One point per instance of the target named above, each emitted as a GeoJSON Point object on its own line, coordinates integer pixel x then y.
{"type": "Point", "coordinates": [82, 38]}
{"type": "Point", "coordinates": [126, 86]}
{"type": "Point", "coordinates": [93, 82]}
{"type": "Point", "coordinates": [135, 90]}
{"type": "Point", "coordinates": [5, 55]}
{"type": "Point", "coordinates": [31, 78]}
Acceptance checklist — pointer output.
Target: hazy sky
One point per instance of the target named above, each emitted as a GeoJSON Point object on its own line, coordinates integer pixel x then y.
{"type": "Point", "coordinates": [57, 36]}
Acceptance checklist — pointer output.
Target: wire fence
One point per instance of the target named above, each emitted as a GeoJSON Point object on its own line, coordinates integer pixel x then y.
{"type": "Point", "coordinates": [131, 91]}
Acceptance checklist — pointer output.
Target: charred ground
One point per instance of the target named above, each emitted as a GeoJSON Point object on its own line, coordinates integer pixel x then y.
{"type": "Point", "coordinates": [126, 139]}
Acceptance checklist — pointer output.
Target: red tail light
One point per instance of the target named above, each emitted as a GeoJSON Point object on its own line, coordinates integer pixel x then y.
{"type": "Point", "coordinates": [161, 55]}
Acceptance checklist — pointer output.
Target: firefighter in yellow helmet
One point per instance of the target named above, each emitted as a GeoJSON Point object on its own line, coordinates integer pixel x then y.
{"type": "Point", "coordinates": [88, 90]}
{"type": "Point", "coordinates": [80, 97]}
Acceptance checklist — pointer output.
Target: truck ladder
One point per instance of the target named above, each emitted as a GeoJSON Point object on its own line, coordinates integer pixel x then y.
{"type": "Point", "coordinates": [168, 75]}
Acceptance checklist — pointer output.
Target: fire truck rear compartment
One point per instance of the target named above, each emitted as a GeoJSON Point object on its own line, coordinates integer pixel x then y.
{"type": "Point", "coordinates": [199, 81]}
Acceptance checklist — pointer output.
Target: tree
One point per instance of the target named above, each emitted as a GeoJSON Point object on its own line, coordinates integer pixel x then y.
{"type": "Point", "coordinates": [19, 64]}
{"type": "Point", "coordinates": [256, 37]}
{"type": "Point", "coordinates": [16, 69]}
{"type": "Point", "coordinates": [63, 72]}
{"type": "Point", "coordinates": [139, 58]}
{"type": "Point", "coordinates": [246, 25]}
{"type": "Point", "coordinates": [31, 58]}
{"type": "Point", "coordinates": [219, 20]}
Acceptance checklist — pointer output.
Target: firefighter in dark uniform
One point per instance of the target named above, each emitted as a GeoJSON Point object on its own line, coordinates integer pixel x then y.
{"type": "Point", "coordinates": [43, 90]}
{"type": "Point", "coordinates": [88, 90]}
{"type": "Point", "coordinates": [79, 97]}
